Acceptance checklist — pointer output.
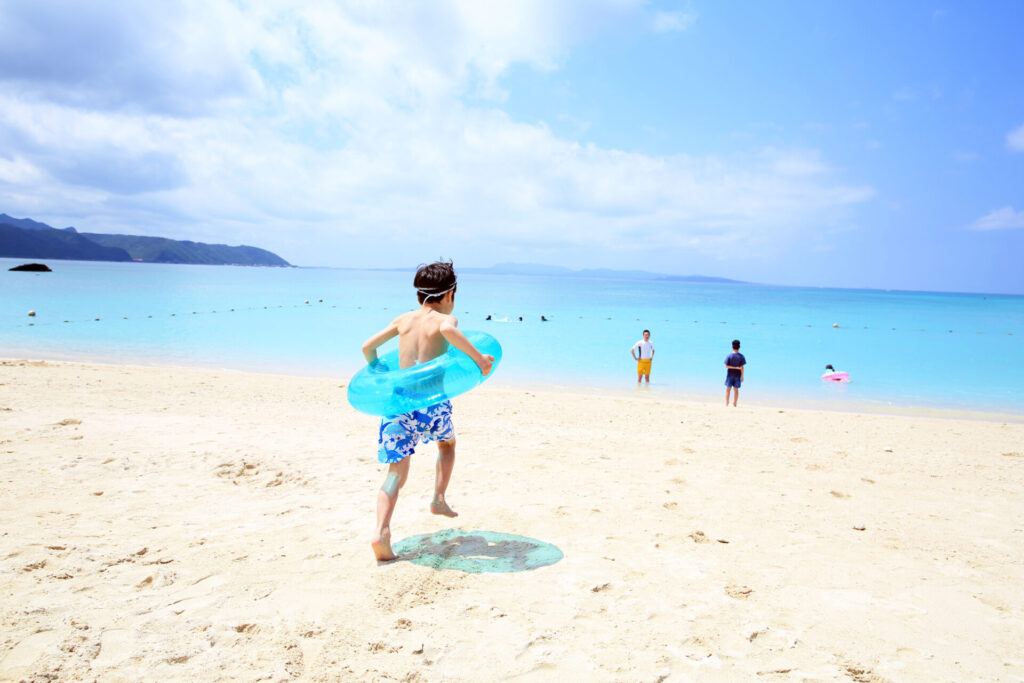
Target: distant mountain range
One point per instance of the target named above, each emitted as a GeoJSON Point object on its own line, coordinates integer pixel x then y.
{"type": "Point", "coordinates": [596, 273]}
{"type": "Point", "coordinates": [26, 238]}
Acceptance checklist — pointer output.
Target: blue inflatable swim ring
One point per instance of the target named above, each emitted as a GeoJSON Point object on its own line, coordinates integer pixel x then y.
{"type": "Point", "coordinates": [385, 389]}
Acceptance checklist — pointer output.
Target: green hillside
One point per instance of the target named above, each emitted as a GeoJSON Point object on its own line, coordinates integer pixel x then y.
{"type": "Point", "coordinates": [16, 242]}
{"type": "Point", "coordinates": [163, 250]}
{"type": "Point", "coordinates": [26, 238]}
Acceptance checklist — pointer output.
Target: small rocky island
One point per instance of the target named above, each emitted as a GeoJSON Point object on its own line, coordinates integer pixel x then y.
{"type": "Point", "coordinates": [32, 268]}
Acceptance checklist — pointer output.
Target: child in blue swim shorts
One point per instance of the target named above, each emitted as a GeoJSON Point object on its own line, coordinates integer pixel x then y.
{"type": "Point", "coordinates": [400, 434]}
{"type": "Point", "coordinates": [734, 364]}
{"type": "Point", "coordinates": [423, 335]}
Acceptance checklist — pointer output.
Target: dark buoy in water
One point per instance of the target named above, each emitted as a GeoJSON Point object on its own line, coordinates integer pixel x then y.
{"type": "Point", "coordinates": [488, 317]}
{"type": "Point", "coordinates": [543, 319]}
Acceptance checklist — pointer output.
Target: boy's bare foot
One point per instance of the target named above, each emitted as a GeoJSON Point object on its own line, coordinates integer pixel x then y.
{"type": "Point", "coordinates": [382, 546]}
{"type": "Point", "coordinates": [440, 507]}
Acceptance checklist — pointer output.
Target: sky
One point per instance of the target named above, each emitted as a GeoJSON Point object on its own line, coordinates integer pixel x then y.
{"type": "Point", "coordinates": [869, 144]}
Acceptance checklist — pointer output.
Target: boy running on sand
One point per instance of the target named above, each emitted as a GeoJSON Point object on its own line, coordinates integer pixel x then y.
{"type": "Point", "coordinates": [423, 335]}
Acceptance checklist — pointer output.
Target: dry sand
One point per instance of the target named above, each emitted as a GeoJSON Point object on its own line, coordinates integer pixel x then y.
{"type": "Point", "coordinates": [193, 525]}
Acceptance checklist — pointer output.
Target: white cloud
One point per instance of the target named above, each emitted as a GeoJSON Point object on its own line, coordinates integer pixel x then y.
{"type": "Point", "coordinates": [669, 22]}
{"type": "Point", "coordinates": [18, 171]}
{"type": "Point", "coordinates": [339, 127]}
{"type": "Point", "coordinates": [164, 56]}
{"type": "Point", "coordinates": [1005, 218]}
{"type": "Point", "coordinates": [964, 157]}
{"type": "Point", "coordinates": [1015, 139]}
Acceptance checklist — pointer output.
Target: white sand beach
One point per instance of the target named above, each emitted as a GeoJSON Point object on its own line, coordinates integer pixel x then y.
{"type": "Point", "coordinates": [167, 524]}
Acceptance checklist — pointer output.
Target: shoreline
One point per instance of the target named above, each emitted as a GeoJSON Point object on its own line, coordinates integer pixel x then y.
{"type": "Point", "coordinates": [627, 390]}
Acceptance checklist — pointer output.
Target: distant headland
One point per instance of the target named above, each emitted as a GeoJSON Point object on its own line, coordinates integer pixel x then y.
{"type": "Point", "coordinates": [26, 238]}
{"type": "Point", "coordinates": [542, 270]}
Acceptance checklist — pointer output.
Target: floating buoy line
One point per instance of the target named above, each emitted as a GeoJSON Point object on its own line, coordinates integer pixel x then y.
{"type": "Point", "coordinates": [307, 303]}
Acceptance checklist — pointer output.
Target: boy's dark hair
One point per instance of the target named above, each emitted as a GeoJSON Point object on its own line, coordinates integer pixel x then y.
{"type": "Point", "coordinates": [434, 281]}
{"type": "Point", "coordinates": [647, 331]}
{"type": "Point", "coordinates": [735, 344]}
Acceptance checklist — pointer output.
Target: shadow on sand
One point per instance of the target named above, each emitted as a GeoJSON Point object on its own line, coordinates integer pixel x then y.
{"type": "Point", "coordinates": [477, 552]}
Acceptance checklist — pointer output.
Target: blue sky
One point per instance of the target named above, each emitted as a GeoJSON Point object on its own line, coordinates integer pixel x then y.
{"type": "Point", "coordinates": [859, 144]}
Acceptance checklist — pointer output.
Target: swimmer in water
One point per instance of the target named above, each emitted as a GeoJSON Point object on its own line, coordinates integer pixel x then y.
{"type": "Point", "coordinates": [423, 334]}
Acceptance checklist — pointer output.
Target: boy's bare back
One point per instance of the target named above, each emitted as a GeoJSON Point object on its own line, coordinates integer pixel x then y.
{"type": "Point", "coordinates": [420, 335]}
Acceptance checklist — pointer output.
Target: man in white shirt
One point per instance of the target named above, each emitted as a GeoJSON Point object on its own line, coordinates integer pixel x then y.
{"type": "Point", "coordinates": [643, 354]}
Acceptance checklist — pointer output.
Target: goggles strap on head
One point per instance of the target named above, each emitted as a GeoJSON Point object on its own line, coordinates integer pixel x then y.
{"type": "Point", "coordinates": [427, 293]}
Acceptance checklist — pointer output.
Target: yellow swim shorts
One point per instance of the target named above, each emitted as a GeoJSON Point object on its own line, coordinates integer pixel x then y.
{"type": "Point", "coordinates": [643, 367]}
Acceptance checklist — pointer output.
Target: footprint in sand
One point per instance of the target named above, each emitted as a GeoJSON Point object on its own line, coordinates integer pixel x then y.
{"type": "Point", "coordinates": [14, 666]}
{"type": "Point", "coordinates": [860, 674]}
{"type": "Point", "coordinates": [116, 645]}
{"type": "Point", "coordinates": [738, 592]}
{"type": "Point", "coordinates": [200, 594]}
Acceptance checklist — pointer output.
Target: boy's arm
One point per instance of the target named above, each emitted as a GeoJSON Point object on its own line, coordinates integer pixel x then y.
{"type": "Point", "coordinates": [371, 344]}
{"type": "Point", "coordinates": [454, 337]}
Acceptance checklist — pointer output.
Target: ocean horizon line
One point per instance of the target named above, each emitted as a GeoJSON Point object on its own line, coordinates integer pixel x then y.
{"type": "Point", "coordinates": [586, 273]}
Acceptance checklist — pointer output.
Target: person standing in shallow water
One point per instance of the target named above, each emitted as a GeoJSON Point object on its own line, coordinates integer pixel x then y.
{"type": "Point", "coordinates": [734, 364]}
{"type": "Point", "coordinates": [643, 354]}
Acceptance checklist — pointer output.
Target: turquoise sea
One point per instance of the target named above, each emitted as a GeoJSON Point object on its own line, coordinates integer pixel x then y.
{"type": "Point", "coordinates": [902, 349]}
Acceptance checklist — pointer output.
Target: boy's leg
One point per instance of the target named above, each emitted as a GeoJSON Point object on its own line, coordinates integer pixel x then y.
{"type": "Point", "coordinates": [387, 497]}
{"type": "Point", "coordinates": [728, 391]}
{"type": "Point", "coordinates": [735, 396]}
{"type": "Point", "coordinates": [445, 465]}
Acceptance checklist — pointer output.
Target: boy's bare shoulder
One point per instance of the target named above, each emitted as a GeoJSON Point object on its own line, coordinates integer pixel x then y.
{"type": "Point", "coordinates": [405, 317]}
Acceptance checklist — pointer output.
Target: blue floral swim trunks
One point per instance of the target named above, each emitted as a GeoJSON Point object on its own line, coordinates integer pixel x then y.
{"type": "Point", "coordinates": [399, 434]}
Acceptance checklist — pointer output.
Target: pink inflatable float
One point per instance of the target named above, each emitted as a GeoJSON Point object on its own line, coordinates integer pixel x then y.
{"type": "Point", "coordinates": [836, 377]}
